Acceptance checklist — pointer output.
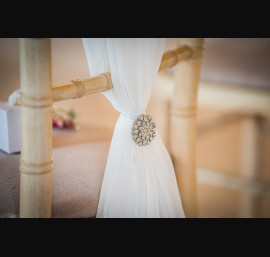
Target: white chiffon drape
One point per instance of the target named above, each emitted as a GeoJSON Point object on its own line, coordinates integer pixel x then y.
{"type": "Point", "coordinates": [139, 181]}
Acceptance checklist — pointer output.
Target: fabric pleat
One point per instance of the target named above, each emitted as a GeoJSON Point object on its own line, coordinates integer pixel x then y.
{"type": "Point", "coordinates": [139, 181]}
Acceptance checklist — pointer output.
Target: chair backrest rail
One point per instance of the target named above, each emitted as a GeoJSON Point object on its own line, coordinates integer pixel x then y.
{"type": "Point", "coordinates": [103, 83]}
{"type": "Point", "coordinates": [80, 87]}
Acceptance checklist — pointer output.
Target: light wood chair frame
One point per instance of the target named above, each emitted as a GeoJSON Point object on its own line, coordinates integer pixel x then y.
{"type": "Point", "coordinates": [37, 96]}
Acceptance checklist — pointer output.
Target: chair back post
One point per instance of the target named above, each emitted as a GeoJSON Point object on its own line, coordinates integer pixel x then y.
{"type": "Point", "coordinates": [183, 124]}
{"type": "Point", "coordinates": [36, 128]}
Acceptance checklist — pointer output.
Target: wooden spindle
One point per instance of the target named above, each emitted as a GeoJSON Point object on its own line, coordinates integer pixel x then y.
{"type": "Point", "coordinates": [183, 124]}
{"type": "Point", "coordinates": [36, 128]}
{"type": "Point", "coordinates": [81, 87]}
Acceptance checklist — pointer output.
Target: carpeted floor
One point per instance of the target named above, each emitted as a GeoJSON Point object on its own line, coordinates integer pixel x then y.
{"type": "Point", "coordinates": [77, 177]}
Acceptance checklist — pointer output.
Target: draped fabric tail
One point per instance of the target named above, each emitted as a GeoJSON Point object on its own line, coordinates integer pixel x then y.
{"type": "Point", "coordinates": [139, 181]}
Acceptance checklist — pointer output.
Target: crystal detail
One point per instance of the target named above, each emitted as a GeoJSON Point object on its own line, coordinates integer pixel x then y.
{"type": "Point", "coordinates": [143, 130]}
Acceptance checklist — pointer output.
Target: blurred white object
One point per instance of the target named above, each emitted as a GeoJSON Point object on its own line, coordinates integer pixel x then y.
{"type": "Point", "coordinates": [10, 128]}
{"type": "Point", "coordinates": [14, 98]}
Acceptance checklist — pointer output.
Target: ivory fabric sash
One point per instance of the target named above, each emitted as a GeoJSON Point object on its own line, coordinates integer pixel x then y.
{"type": "Point", "coordinates": [139, 181]}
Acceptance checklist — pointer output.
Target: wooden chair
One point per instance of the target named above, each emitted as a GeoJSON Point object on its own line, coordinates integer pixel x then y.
{"type": "Point", "coordinates": [37, 96]}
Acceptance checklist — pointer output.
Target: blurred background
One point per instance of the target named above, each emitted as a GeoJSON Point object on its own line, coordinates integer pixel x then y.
{"type": "Point", "coordinates": [233, 134]}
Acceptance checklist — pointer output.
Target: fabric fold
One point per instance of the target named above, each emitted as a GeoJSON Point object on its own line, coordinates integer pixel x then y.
{"type": "Point", "coordinates": [139, 181]}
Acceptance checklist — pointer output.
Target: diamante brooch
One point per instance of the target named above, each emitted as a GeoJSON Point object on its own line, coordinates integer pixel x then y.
{"type": "Point", "coordinates": [143, 130]}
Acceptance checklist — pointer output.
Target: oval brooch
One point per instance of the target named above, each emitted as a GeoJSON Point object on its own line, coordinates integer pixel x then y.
{"type": "Point", "coordinates": [143, 130]}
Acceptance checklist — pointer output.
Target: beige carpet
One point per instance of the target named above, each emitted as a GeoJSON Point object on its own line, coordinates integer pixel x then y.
{"type": "Point", "coordinates": [77, 178]}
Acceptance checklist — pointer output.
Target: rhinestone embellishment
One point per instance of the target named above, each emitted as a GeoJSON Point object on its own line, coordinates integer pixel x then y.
{"type": "Point", "coordinates": [143, 130]}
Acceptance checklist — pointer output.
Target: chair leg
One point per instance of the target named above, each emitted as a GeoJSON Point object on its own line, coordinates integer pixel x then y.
{"type": "Point", "coordinates": [183, 125]}
{"type": "Point", "coordinates": [36, 128]}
